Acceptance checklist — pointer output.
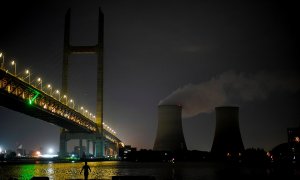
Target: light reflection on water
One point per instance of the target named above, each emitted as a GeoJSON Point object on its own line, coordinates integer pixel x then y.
{"type": "Point", "coordinates": [107, 169]}
{"type": "Point", "coordinates": [100, 170]}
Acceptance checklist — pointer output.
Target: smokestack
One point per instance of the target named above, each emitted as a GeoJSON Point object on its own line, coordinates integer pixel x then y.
{"type": "Point", "coordinates": [169, 135]}
{"type": "Point", "coordinates": [227, 140]}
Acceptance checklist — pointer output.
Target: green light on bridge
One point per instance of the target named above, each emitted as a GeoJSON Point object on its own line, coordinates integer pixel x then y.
{"type": "Point", "coordinates": [35, 96]}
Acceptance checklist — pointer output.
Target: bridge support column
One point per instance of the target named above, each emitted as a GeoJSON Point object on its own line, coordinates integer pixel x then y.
{"type": "Point", "coordinates": [63, 145]}
{"type": "Point", "coordinates": [94, 149]}
{"type": "Point", "coordinates": [80, 148]}
{"type": "Point", "coordinates": [87, 147]}
{"type": "Point", "coordinates": [99, 148]}
{"type": "Point", "coordinates": [117, 150]}
{"type": "Point", "coordinates": [97, 140]}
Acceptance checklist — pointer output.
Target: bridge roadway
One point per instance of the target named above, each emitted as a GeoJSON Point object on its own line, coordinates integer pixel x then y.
{"type": "Point", "coordinates": [18, 95]}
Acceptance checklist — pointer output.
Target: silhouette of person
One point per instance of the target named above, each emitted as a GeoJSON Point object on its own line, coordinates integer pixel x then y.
{"type": "Point", "coordinates": [85, 168]}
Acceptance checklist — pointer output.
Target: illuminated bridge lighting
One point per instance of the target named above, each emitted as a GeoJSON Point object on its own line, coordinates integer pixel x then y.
{"type": "Point", "coordinates": [37, 97]}
{"type": "Point", "coordinates": [107, 128]}
{"type": "Point", "coordinates": [49, 100]}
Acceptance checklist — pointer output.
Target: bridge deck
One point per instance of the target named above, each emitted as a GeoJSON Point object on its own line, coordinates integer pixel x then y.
{"type": "Point", "coordinates": [16, 94]}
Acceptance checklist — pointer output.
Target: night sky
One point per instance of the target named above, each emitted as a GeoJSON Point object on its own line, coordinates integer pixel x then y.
{"type": "Point", "coordinates": [200, 54]}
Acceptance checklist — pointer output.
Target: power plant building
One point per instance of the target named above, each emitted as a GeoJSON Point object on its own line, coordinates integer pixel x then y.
{"type": "Point", "coordinates": [169, 135]}
{"type": "Point", "coordinates": [227, 140]}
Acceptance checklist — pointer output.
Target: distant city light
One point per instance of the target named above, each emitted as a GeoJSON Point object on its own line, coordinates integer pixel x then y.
{"type": "Point", "coordinates": [49, 155]}
{"type": "Point", "coordinates": [38, 153]}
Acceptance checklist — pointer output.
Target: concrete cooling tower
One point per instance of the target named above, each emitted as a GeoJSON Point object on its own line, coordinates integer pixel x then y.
{"type": "Point", "coordinates": [227, 140]}
{"type": "Point", "coordinates": [169, 135]}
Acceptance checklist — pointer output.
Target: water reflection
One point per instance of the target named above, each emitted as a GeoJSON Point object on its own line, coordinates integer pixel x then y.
{"type": "Point", "coordinates": [26, 171]}
{"type": "Point", "coordinates": [50, 170]}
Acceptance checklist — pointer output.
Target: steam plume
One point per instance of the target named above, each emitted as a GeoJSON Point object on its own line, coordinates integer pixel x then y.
{"type": "Point", "coordinates": [228, 88]}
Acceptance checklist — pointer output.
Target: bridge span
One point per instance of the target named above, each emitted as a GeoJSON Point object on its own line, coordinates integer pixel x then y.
{"type": "Point", "coordinates": [21, 96]}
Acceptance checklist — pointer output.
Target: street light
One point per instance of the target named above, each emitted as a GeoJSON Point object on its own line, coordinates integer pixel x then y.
{"type": "Point", "coordinates": [50, 87]}
{"type": "Point", "coordinates": [40, 82]}
{"type": "Point", "coordinates": [28, 72]}
{"type": "Point", "coordinates": [14, 64]}
{"type": "Point", "coordinates": [82, 108]}
{"type": "Point", "coordinates": [2, 56]}
{"type": "Point", "coordinates": [66, 97]}
{"type": "Point", "coordinates": [57, 92]}
{"type": "Point", "coordinates": [73, 104]}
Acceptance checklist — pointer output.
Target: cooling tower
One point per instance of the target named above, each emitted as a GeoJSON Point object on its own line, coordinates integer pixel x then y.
{"type": "Point", "coordinates": [227, 140]}
{"type": "Point", "coordinates": [169, 136]}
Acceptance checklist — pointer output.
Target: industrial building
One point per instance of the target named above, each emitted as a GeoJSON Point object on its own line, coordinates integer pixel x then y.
{"type": "Point", "coordinates": [169, 136]}
{"type": "Point", "coordinates": [227, 141]}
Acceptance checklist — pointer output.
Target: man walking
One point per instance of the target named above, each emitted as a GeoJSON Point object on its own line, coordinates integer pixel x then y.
{"type": "Point", "coordinates": [85, 168]}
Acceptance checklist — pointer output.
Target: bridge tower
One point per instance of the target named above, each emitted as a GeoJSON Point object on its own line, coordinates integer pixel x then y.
{"type": "Point", "coordinates": [94, 49]}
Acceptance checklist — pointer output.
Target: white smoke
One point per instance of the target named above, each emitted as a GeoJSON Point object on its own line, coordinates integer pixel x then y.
{"type": "Point", "coordinates": [228, 88]}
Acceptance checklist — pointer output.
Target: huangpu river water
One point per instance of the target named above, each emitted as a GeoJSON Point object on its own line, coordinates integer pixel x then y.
{"type": "Point", "coordinates": [108, 169]}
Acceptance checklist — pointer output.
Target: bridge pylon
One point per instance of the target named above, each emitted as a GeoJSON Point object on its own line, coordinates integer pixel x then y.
{"type": "Point", "coordinates": [94, 49]}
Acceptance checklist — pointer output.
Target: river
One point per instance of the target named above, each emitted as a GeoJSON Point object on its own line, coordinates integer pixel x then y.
{"type": "Point", "coordinates": [109, 169]}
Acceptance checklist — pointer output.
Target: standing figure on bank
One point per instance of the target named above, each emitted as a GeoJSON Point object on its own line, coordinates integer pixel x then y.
{"type": "Point", "coordinates": [86, 169]}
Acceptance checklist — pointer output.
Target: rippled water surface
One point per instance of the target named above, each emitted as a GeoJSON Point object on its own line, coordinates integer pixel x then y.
{"type": "Point", "coordinates": [108, 169]}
